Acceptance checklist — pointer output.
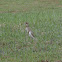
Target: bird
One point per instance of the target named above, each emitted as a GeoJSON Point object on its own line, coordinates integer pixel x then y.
{"type": "Point", "coordinates": [32, 36]}
{"type": "Point", "coordinates": [29, 30]}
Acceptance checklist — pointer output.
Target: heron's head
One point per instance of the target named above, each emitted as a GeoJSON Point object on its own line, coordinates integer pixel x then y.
{"type": "Point", "coordinates": [27, 24]}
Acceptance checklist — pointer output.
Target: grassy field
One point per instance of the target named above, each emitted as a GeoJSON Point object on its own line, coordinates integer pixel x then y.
{"type": "Point", "coordinates": [45, 20]}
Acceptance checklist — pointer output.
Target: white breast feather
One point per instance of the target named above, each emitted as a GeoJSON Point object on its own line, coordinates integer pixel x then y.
{"type": "Point", "coordinates": [30, 34]}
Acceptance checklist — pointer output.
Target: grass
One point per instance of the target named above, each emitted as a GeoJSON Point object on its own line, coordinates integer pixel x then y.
{"type": "Point", "coordinates": [45, 20]}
